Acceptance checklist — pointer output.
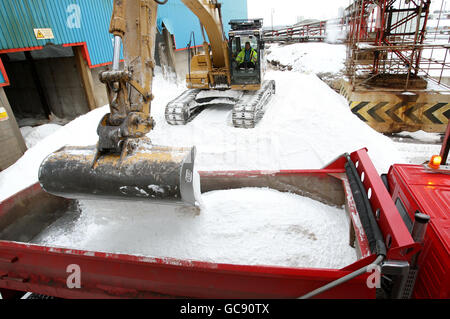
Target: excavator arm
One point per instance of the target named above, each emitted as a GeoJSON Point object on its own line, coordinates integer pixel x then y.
{"type": "Point", "coordinates": [216, 56]}
{"type": "Point", "coordinates": [125, 163]}
{"type": "Point", "coordinates": [129, 90]}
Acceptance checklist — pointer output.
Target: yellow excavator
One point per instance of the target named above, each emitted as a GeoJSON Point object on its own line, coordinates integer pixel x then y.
{"type": "Point", "coordinates": [125, 163]}
{"type": "Point", "coordinates": [216, 76]}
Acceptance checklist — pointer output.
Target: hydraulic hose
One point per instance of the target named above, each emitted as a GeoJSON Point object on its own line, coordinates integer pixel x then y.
{"type": "Point", "coordinates": [344, 279]}
{"type": "Point", "coordinates": [189, 45]}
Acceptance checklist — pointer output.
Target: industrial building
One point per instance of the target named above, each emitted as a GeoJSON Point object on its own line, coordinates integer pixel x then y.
{"type": "Point", "coordinates": [52, 51]}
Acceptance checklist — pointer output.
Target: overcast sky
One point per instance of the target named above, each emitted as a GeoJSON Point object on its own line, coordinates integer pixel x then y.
{"type": "Point", "coordinates": [286, 12]}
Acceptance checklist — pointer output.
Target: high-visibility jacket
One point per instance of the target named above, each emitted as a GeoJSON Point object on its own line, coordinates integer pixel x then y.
{"type": "Point", "coordinates": [253, 56]}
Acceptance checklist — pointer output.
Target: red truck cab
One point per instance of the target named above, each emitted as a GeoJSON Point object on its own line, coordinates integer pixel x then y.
{"type": "Point", "coordinates": [422, 189]}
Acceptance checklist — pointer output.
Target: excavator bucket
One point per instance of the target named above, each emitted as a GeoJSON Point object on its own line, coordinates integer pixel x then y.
{"type": "Point", "coordinates": [143, 172]}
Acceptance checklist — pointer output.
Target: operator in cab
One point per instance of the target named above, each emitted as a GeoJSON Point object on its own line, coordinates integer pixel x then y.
{"type": "Point", "coordinates": [247, 57]}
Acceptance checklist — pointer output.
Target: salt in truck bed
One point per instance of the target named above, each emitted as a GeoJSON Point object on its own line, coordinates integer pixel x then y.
{"type": "Point", "coordinates": [26, 267]}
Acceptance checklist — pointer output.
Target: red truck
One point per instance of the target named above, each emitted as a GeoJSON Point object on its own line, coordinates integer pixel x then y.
{"type": "Point", "coordinates": [399, 225]}
{"type": "Point", "coordinates": [424, 191]}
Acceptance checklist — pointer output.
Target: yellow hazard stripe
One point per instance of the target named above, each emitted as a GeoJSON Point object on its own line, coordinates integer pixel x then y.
{"type": "Point", "coordinates": [402, 112]}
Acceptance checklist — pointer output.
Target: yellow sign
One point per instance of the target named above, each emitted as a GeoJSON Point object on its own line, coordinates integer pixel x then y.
{"type": "Point", "coordinates": [3, 114]}
{"type": "Point", "coordinates": [43, 34]}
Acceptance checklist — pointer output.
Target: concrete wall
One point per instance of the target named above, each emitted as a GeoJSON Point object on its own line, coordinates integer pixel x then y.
{"type": "Point", "coordinates": [23, 93]}
{"type": "Point", "coordinates": [11, 141]}
{"type": "Point", "coordinates": [101, 97]}
{"type": "Point", "coordinates": [62, 84]}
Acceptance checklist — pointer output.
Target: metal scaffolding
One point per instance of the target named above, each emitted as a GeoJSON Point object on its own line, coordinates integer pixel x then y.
{"type": "Point", "coordinates": [391, 45]}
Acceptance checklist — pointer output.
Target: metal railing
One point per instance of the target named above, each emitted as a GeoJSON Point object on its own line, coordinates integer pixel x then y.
{"type": "Point", "coordinates": [314, 31]}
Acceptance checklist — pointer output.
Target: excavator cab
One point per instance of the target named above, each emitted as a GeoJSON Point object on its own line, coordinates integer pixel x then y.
{"type": "Point", "coordinates": [244, 32]}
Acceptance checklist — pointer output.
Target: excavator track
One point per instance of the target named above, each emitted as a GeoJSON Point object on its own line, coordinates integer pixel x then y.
{"type": "Point", "coordinates": [183, 109]}
{"type": "Point", "coordinates": [190, 103]}
{"type": "Point", "coordinates": [248, 107]}
{"type": "Point", "coordinates": [251, 108]}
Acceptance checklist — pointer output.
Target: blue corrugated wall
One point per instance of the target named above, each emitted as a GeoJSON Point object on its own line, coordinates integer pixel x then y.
{"type": "Point", "coordinates": [180, 21]}
{"type": "Point", "coordinates": [18, 18]}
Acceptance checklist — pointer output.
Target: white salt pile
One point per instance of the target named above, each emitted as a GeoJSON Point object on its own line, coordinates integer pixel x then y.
{"type": "Point", "coordinates": [253, 226]}
{"type": "Point", "coordinates": [310, 57]}
{"type": "Point", "coordinates": [422, 136]}
{"type": "Point", "coordinates": [33, 135]}
{"type": "Point", "coordinates": [306, 126]}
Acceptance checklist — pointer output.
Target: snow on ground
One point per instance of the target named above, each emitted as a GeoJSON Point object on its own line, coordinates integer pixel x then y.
{"type": "Point", "coordinates": [417, 147]}
{"type": "Point", "coordinates": [34, 135]}
{"type": "Point", "coordinates": [422, 136]}
{"type": "Point", "coordinates": [417, 153]}
{"type": "Point", "coordinates": [81, 131]}
{"type": "Point", "coordinates": [242, 226]}
{"type": "Point", "coordinates": [310, 57]}
{"type": "Point", "coordinates": [306, 125]}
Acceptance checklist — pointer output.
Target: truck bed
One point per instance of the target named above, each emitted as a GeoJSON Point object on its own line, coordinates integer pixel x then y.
{"type": "Point", "coordinates": [41, 269]}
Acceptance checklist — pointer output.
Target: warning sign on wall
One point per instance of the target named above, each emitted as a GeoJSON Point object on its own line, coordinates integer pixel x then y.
{"type": "Point", "coordinates": [3, 114]}
{"type": "Point", "coordinates": [43, 34]}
